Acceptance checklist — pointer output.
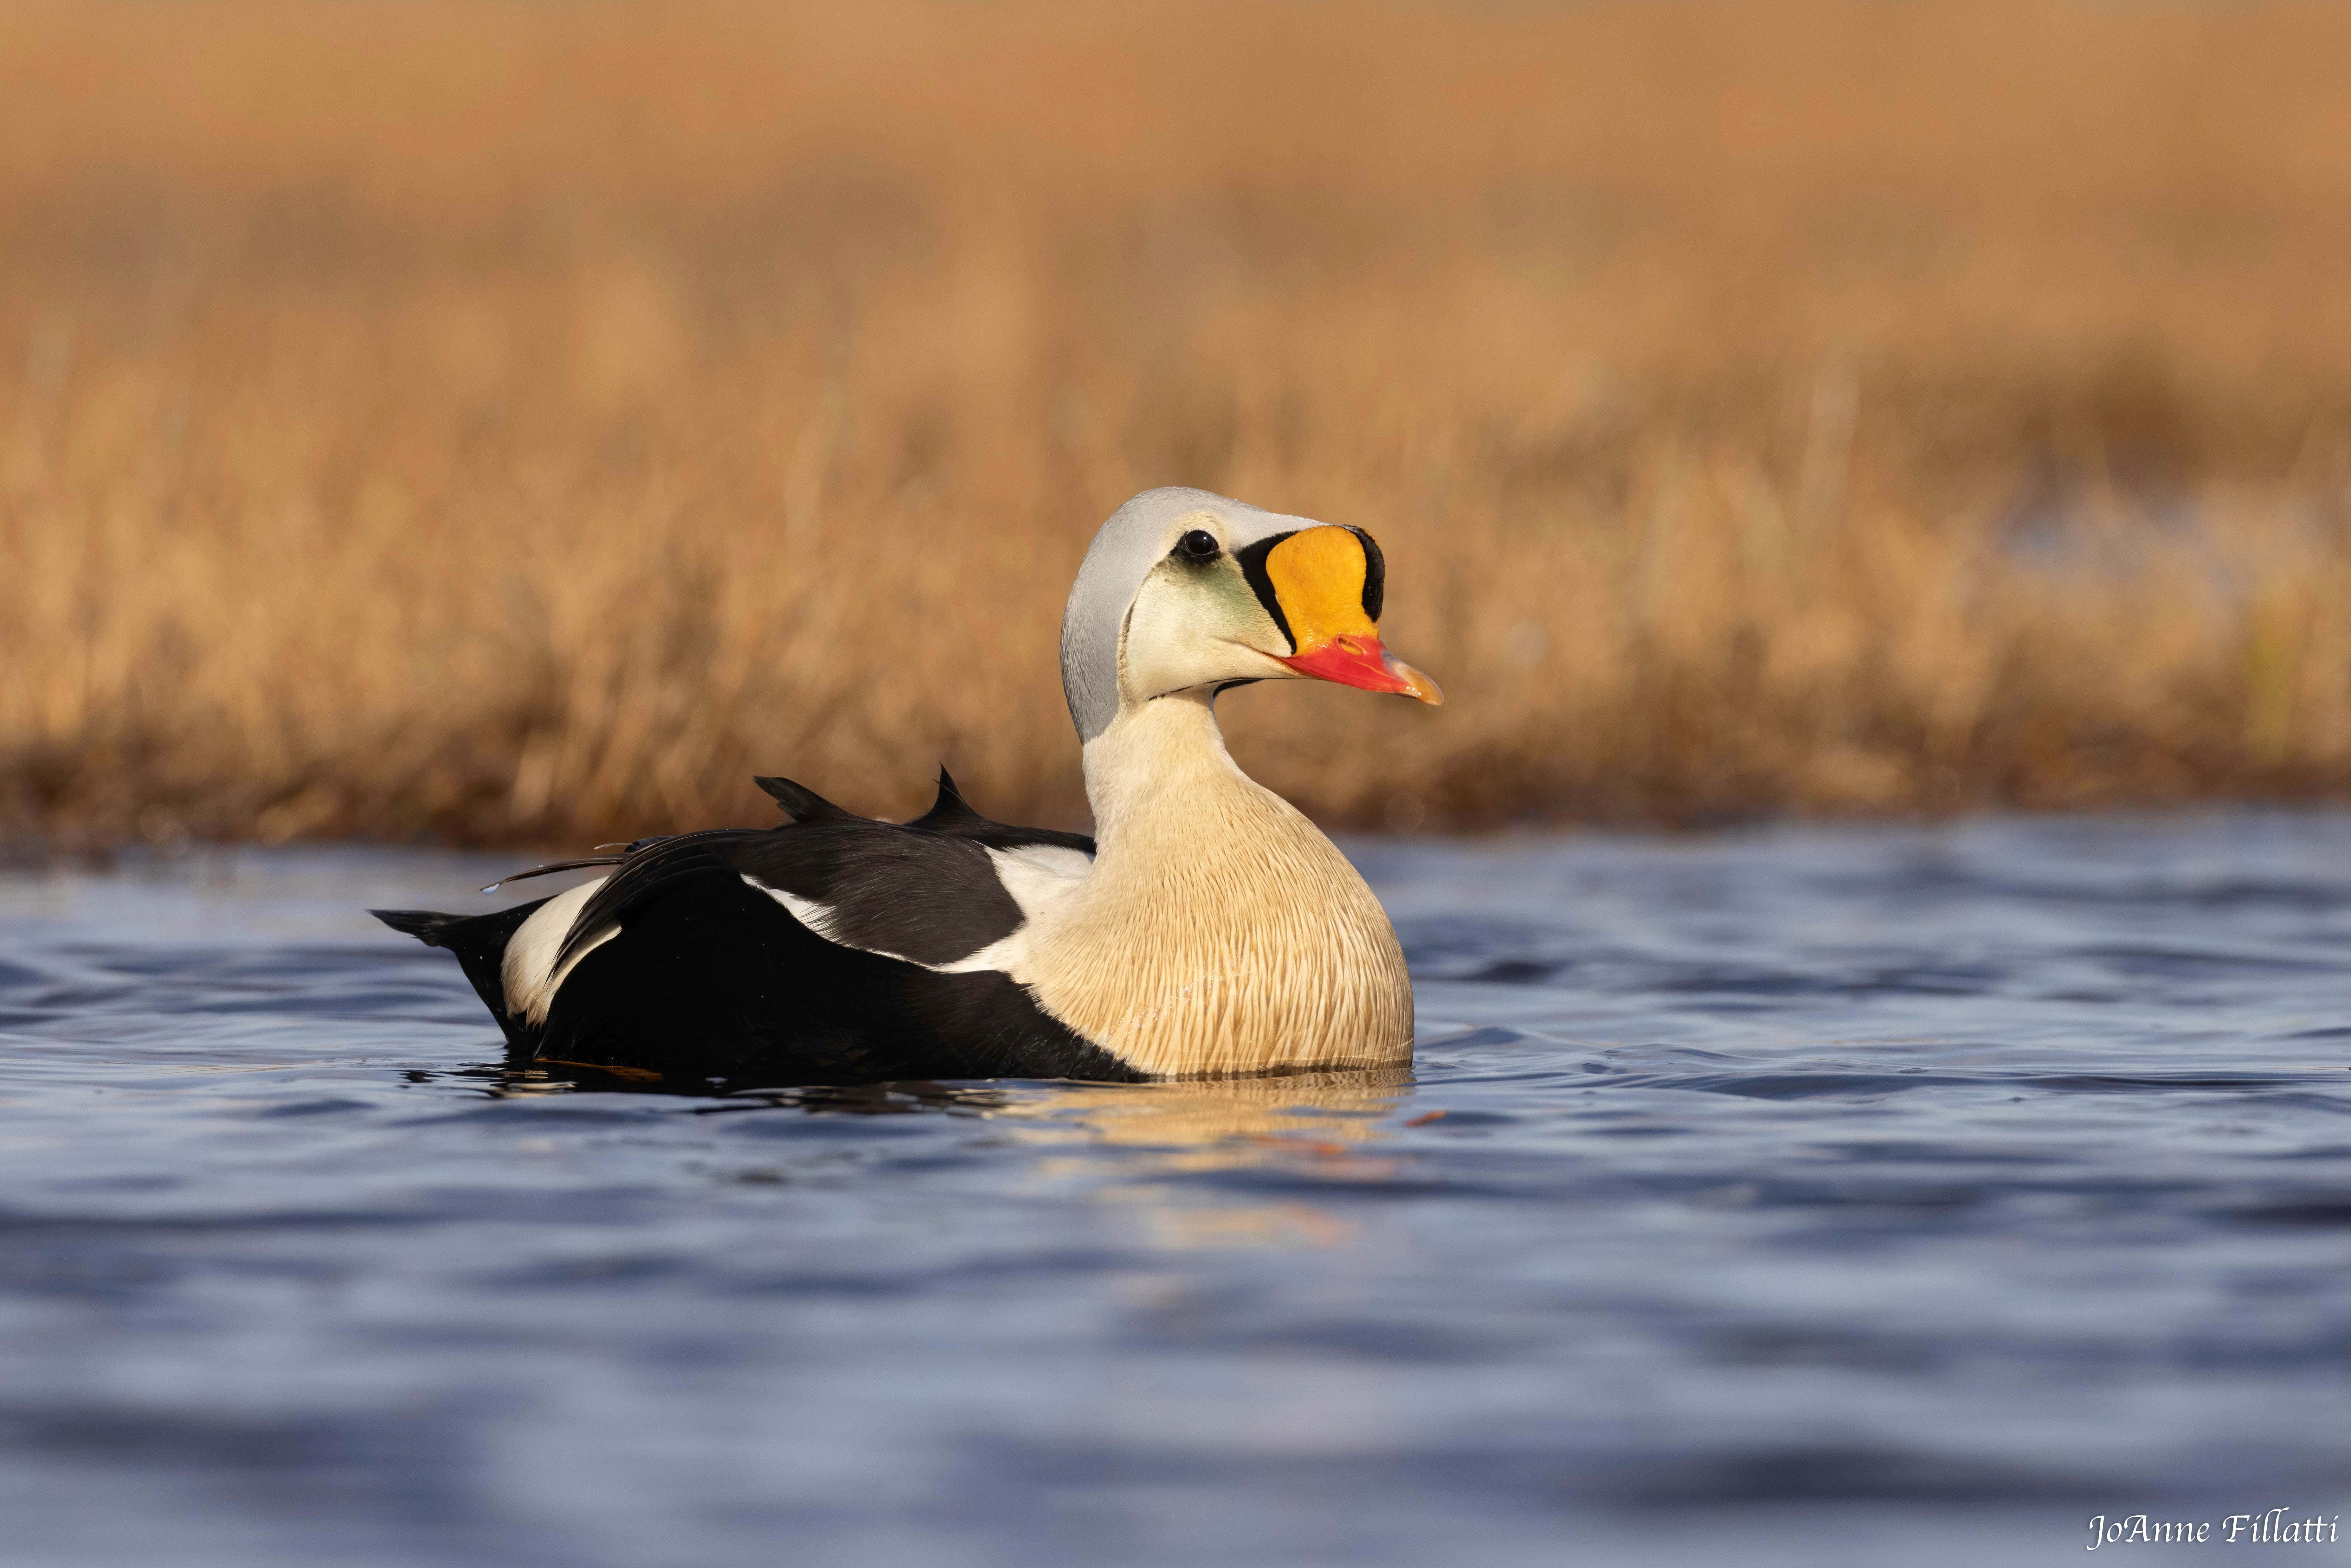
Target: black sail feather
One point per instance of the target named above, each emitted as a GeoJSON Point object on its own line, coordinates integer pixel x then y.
{"type": "Point", "coordinates": [950, 810]}
{"type": "Point", "coordinates": [802, 804]}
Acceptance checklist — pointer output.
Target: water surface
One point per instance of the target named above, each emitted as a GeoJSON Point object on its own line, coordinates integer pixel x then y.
{"type": "Point", "coordinates": [1809, 1195]}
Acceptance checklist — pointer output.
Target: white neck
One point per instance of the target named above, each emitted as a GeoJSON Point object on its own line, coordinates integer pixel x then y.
{"type": "Point", "coordinates": [1219, 931]}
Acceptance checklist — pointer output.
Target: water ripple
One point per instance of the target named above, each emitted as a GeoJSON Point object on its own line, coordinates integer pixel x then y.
{"type": "Point", "coordinates": [1748, 1190]}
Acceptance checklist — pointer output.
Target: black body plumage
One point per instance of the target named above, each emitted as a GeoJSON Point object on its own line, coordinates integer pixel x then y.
{"type": "Point", "coordinates": [710, 976]}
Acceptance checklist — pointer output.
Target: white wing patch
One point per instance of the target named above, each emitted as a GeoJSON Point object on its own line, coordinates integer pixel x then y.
{"type": "Point", "coordinates": [1038, 876]}
{"type": "Point", "coordinates": [528, 969]}
{"type": "Point", "coordinates": [816, 917]}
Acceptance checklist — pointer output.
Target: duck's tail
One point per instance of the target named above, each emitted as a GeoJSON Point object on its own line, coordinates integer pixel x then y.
{"type": "Point", "coordinates": [480, 943]}
{"type": "Point", "coordinates": [424, 924]}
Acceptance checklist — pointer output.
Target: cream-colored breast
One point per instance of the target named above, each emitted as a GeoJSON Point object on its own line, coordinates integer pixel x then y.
{"type": "Point", "coordinates": [1220, 932]}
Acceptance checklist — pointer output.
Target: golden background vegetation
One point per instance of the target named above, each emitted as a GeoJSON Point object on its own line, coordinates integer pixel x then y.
{"type": "Point", "coordinates": [521, 422]}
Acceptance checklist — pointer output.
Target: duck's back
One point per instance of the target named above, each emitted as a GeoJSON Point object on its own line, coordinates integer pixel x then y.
{"type": "Point", "coordinates": [832, 948]}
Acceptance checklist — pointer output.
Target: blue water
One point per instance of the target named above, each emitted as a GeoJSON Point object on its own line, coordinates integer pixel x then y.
{"type": "Point", "coordinates": [1809, 1195]}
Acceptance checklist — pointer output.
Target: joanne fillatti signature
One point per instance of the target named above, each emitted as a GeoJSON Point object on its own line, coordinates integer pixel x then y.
{"type": "Point", "coordinates": [2275, 1527]}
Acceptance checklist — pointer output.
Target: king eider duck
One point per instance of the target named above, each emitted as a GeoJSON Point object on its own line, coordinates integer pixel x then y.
{"type": "Point", "coordinates": [1207, 930]}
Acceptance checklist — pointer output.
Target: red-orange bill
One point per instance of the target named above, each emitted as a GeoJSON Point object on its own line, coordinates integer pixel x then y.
{"type": "Point", "coordinates": [1354, 661]}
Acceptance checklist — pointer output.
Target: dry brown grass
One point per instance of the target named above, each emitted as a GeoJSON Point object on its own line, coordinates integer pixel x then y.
{"type": "Point", "coordinates": [521, 422]}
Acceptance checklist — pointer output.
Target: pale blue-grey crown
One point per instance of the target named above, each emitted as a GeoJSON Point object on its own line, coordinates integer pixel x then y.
{"type": "Point", "coordinates": [1122, 554]}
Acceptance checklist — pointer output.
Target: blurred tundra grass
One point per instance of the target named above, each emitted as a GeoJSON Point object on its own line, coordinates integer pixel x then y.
{"type": "Point", "coordinates": [521, 422]}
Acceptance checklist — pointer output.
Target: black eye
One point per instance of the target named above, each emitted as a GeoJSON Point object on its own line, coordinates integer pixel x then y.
{"type": "Point", "coordinates": [1197, 546]}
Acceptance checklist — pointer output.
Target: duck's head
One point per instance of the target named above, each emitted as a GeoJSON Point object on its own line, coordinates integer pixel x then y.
{"type": "Point", "coordinates": [1187, 591]}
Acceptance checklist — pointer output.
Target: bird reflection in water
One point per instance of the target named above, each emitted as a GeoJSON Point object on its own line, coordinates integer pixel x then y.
{"type": "Point", "coordinates": [1138, 1146]}
{"type": "Point", "coordinates": [1315, 1127]}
